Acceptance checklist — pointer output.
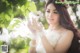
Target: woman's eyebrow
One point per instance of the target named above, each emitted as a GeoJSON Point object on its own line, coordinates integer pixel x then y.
{"type": "Point", "coordinates": [54, 10]}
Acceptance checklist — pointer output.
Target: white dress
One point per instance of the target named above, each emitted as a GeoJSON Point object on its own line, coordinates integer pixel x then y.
{"type": "Point", "coordinates": [51, 36]}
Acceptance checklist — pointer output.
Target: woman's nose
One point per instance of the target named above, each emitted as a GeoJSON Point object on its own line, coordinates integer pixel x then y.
{"type": "Point", "coordinates": [50, 15]}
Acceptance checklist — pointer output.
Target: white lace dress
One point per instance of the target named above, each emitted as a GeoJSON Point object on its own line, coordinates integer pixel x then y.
{"type": "Point", "coordinates": [52, 37]}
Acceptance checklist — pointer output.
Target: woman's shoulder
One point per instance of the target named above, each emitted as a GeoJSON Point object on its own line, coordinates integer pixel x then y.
{"type": "Point", "coordinates": [68, 32]}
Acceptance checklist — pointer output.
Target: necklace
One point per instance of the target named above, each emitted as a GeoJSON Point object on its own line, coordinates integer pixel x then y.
{"type": "Point", "coordinates": [56, 29]}
{"type": "Point", "coordinates": [56, 34]}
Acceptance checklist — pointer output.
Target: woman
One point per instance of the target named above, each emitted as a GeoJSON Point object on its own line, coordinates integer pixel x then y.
{"type": "Point", "coordinates": [60, 37]}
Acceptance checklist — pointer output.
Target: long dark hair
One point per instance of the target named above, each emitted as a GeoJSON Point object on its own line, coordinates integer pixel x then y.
{"type": "Point", "coordinates": [67, 23]}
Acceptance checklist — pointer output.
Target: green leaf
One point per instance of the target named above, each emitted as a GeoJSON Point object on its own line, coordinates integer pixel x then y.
{"type": "Point", "coordinates": [32, 7]}
{"type": "Point", "coordinates": [7, 17]}
{"type": "Point", "coordinates": [13, 24]}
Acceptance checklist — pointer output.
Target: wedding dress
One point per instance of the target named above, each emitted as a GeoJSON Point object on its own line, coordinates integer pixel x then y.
{"type": "Point", "coordinates": [51, 36]}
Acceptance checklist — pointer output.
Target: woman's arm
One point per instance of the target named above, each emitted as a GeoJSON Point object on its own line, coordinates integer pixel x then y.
{"type": "Point", "coordinates": [65, 42]}
{"type": "Point", "coordinates": [62, 45]}
{"type": "Point", "coordinates": [32, 48]}
{"type": "Point", "coordinates": [48, 47]}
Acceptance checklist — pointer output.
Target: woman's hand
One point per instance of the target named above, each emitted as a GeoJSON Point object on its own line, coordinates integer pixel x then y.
{"type": "Point", "coordinates": [35, 26]}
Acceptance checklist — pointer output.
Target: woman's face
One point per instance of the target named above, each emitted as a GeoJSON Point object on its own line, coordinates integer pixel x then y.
{"type": "Point", "coordinates": [52, 16]}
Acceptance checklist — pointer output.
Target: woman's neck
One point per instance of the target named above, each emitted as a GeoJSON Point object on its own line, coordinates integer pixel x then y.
{"type": "Point", "coordinates": [54, 27]}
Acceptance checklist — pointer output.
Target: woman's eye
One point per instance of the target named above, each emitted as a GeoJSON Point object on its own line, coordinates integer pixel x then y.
{"type": "Point", "coordinates": [48, 11]}
{"type": "Point", "coordinates": [55, 12]}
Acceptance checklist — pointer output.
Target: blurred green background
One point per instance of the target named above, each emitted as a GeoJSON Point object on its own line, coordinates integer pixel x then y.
{"type": "Point", "coordinates": [13, 19]}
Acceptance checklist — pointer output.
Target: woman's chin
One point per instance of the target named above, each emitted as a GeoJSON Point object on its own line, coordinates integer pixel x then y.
{"type": "Point", "coordinates": [51, 23]}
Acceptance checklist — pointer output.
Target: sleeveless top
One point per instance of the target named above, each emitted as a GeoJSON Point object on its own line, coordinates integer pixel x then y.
{"type": "Point", "coordinates": [51, 36]}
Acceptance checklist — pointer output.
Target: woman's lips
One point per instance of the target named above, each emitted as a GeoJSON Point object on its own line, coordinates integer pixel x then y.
{"type": "Point", "coordinates": [51, 19]}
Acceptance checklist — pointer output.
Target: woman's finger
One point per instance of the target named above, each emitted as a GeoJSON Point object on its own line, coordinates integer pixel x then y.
{"type": "Point", "coordinates": [29, 23]}
{"type": "Point", "coordinates": [41, 24]}
{"type": "Point", "coordinates": [30, 26]}
{"type": "Point", "coordinates": [34, 23]}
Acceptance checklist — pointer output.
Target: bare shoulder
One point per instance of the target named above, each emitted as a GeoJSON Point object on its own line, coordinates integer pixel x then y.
{"type": "Point", "coordinates": [68, 32]}
{"type": "Point", "coordinates": [66, 38]}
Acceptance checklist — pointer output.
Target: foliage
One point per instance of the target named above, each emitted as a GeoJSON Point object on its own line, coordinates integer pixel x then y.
{"type": "Point", "coordinates": [74, 4]}
{"type": "Point", "coordinates": [19, 45]}
{"type": "Point", "coordinates": [40, 4]}
{"type": "Point", "coordinates": [15, 22]}
{"type": "Point", "coordinates": [14, 8]}
{"type": "Point", "coordinates": [1, 43]}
